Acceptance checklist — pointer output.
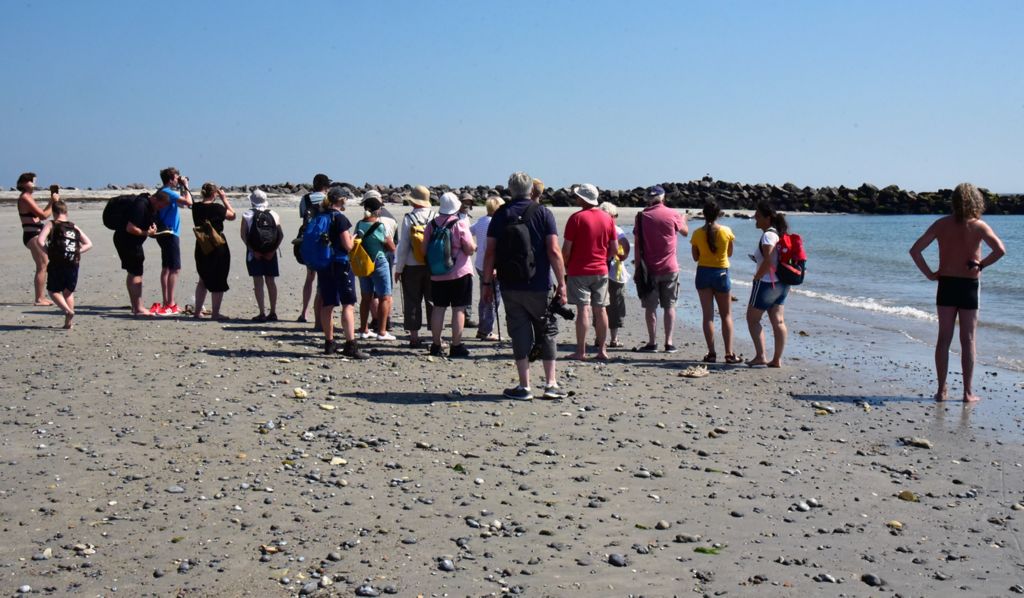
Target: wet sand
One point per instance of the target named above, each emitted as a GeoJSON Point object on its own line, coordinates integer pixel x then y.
{"type": "Point", "coordinates": [168, 456]}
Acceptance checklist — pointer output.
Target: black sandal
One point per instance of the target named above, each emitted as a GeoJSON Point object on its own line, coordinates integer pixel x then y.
{"type": "Point", "coordinates": [710, 357]}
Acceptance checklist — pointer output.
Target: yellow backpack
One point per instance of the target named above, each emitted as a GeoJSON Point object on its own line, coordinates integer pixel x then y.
{"type": "Point", "coordinates": [361, 262]}
{"type": "Point", "coordinates": [417, 235]}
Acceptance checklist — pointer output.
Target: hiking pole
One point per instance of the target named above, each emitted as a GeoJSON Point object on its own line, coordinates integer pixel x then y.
{"type": "Point", "coordinates": [497, 318]}
{"type": "Point", "coordinates": [401, 295]}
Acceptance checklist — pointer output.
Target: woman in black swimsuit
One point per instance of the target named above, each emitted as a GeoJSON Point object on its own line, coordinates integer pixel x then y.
{"type": "Point", "coordinates": [32, 217]}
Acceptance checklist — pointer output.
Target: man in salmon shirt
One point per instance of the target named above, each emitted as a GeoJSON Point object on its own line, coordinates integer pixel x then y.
{"type": "Point", "coordinates": [590, 241]}
{"type": "Point", "coordinates": [659, 225]}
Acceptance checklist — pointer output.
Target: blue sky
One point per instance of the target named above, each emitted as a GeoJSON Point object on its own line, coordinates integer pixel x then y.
{"type": "Point", "coordinates": [919, 94]}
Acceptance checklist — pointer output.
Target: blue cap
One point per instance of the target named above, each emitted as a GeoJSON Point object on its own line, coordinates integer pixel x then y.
{"type": "Point", "coordinates": [655, 191]}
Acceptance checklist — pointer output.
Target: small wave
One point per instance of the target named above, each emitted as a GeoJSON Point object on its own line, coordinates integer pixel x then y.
{"type": "Point", "coordinates": [870, 304]}
{"type": "Point", "coordinates": [1005, 326]}
{"type": "Point", "coordinates": [1015, 365]}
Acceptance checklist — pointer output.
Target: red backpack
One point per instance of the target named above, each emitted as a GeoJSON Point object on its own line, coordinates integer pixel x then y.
{"type": "Point", "coordinates": [792, 260]}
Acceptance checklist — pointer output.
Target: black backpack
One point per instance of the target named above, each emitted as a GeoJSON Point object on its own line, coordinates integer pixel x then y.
{"type": "Point", "coordinates": [264, 234]}
{"type": "Point", "coordinates": [115, 213]}
{"type": "Point", "coordinates": [515, 261]}
{"type": "Point", "coordinates": [65, 245]}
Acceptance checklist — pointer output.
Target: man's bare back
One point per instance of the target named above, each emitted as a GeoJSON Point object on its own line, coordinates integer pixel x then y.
{"type": "Point", "coordinates": [960, 246]}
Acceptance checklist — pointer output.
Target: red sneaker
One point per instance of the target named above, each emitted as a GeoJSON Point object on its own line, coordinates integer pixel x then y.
{"type": "Point", "coordinates": [170, 310]}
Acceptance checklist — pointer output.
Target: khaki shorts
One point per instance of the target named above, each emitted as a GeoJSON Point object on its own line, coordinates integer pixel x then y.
{"type": "Point", "coordinates": [665, 292]}
{"type": "Point", "coordinates": [588, 290]}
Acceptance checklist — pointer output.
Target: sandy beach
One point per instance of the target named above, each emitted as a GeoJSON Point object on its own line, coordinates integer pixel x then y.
{"type": "Point", "coordinates": [167, 456]}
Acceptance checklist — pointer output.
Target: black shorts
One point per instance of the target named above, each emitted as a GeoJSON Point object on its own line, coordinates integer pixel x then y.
{"type": "Point", "coordinates": [962, 293]}
{"type": "Point", "coordinates": [170, 251]}
{"type": "Point", "coordinates": [28, 236]}
{"type": "Point", "coordinates": [131, 254]}
{"type": "Point", "coordinates": [336, 284]}
{"type": "Point", "coordinates": [452, 293]}
{"type": "Point", "coordinates": [61, 278]}
{"type": "Point", "coordinates": [258, 267]}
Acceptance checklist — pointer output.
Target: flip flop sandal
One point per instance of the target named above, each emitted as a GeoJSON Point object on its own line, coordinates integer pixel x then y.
{"type": "Point", "coordinates": [695, 371]}
{"type": "Point", "coordinates": [733, 358]}
{"type": "Point", "coordinates": [189, 310]}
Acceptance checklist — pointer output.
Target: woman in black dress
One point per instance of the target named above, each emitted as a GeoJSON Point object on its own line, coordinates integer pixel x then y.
{"type": "Point", "coordinates": [212, 267]}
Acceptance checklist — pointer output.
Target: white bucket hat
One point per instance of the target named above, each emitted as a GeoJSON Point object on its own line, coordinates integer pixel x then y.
{"type": "Point", "coordinates": [258, 198]}
{"type": "Point", "coordinates": [450, 204]}
{"type": "Point", "coordinates": [587, 193]}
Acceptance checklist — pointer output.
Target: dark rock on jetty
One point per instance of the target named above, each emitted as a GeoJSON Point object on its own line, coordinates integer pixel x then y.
{"type": "Point", "coordinates": [866, 199]}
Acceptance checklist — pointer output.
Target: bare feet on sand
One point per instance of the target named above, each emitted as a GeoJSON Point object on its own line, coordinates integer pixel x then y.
{"type": "Point", "coordinates": [142, 312]}
{"type": "Point", "coordinates": [774, 364]}
{"type": "Point", "coordinates": [757, 362]}
{"type": "Point", "coordinates": [971, 397]}
{"type": "Point", "coordinates": [69, 320]}
{"type": "Point", "coordinates": [576, 357]}
{"type": "Point", "coordinates": [941, 394]}
{"type": "Point", "coordinates": [42, 302]}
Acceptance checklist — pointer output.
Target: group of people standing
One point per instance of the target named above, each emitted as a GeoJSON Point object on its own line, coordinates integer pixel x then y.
{"type": "Point", "coordinates": [595, 250]}
{"type": "Point", "coordinates": [514, 252]}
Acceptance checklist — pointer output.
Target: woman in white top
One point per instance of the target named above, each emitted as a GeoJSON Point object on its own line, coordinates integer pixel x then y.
{"type": "Point", "coordinates": [488, 312]}
{"type": "Point", "coordinates": [767, 294]}
{"type": "Point", "coordinates": [618, 276]}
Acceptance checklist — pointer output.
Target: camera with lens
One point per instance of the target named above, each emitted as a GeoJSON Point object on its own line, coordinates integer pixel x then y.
{"type": "Point", "coordinates": [549, 325]}
{"type": "Point", "coordinates": [561, 310]}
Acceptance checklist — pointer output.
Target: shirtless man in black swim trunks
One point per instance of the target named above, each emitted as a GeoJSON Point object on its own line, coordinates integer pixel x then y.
{"type": "Point", "coordinates": [959, 275]}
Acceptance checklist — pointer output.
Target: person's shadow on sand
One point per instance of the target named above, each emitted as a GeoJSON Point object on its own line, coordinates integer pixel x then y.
{"type": "Point", "coordinates": [246, 353]}
{"type": "Point", "coordinates": [422, 398]}
{"type": "Point", "coordinates": [873, 400]}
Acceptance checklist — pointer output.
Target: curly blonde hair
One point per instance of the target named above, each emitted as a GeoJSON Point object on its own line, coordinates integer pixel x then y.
{"type": "Point", "coordinates": [968, 202]}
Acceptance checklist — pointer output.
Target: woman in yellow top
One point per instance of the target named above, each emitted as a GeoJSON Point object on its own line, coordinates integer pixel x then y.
{"type": "Point", "coordinates": [712, 246]}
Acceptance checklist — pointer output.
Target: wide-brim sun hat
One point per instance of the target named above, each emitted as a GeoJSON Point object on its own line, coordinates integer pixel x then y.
{"type": "Point", "coordinates": [450, 204]}
{"type": "Point", "coordinates": [419, 197]}
{"type": "Point", "coordinates": [587, 193]}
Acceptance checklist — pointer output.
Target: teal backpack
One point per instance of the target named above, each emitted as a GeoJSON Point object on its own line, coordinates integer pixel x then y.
{"type": "Point", "coordinates": [440, 258]}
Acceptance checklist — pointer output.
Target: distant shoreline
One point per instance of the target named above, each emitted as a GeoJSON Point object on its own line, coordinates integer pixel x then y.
{"type": "Point", "coordinates": [289, 199]}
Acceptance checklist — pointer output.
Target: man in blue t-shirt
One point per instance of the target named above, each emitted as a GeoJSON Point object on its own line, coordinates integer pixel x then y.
{"type": "Point", "coordinates": [168, 225]}
{"type": "Point", "coordinates": [526, 303]}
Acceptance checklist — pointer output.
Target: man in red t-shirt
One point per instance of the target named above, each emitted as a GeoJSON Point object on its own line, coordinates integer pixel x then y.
{"type": "Point", "coordinates": [590, 241]}
{"type": "Point", "coordinates": [659, 226]}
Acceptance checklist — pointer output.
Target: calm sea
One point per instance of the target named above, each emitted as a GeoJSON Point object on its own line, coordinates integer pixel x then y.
{"type": "Point", "coordinates": [859, 267]}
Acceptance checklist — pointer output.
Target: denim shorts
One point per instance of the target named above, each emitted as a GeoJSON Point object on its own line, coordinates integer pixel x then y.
{"type": "Point", "coordinates": [378, 283]}
{"type": "Point", "coordinates": [766, 295]}
{"type": "Point", "coordinates": [716, 279]}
